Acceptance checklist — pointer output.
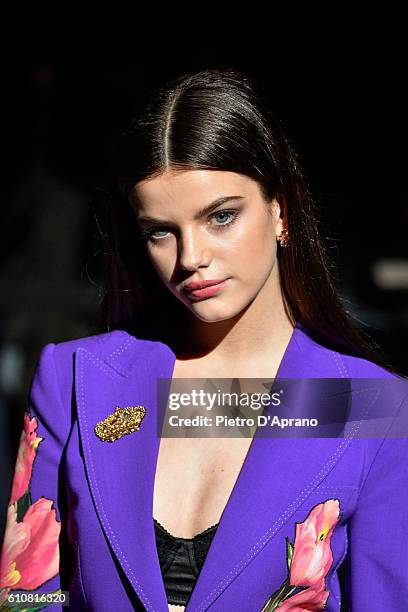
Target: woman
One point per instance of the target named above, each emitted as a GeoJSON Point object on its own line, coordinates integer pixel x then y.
{"type": "Point", "coordinates": [206, 190]}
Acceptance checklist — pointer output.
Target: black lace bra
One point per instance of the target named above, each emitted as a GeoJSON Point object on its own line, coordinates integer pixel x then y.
{"type": "Point", "coordinates": [181, 560]}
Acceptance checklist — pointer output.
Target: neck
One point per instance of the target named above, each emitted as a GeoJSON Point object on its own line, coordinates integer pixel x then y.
{"type": "Point", "coordinates": [262, 330]}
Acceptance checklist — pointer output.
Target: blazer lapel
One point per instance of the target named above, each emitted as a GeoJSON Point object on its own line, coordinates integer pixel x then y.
{"type": "Point", "coordinates": [275, 479]}
{"type": "Point", "coordinates": [121, 474]}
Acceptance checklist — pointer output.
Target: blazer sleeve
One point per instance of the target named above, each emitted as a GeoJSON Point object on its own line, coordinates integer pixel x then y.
{"type": "Point", "coordinates": [30, 552]}
{"type": "Point", "coordinates": [377, 570]}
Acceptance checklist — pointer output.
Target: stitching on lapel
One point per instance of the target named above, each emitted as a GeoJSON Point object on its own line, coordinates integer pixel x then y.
{"type": "Point", "coordinates": [121, 349]}
{"type": "Point", "coordinates": [100, 364]}
{"type": "Point", "coordinates": [270, 533]}
{"type": "Point", "coordinates": [95, 490]}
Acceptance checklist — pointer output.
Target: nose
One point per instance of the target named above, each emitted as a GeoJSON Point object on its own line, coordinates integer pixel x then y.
{"type": "Point", "coordinates": [194, 250]}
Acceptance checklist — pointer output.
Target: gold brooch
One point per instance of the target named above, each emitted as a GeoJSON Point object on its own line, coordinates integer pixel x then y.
{"type": "Point", "coordinates": [122, 422]}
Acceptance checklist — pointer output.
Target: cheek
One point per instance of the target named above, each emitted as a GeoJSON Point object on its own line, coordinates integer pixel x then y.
{"type": "Point", "coordinates": [254, 246]}
{"type": "Point", "coordinates": [162, 262]}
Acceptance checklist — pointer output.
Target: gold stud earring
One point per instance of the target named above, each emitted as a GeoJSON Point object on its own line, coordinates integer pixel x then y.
{"type": "Point", "coordinates": [283, 238]}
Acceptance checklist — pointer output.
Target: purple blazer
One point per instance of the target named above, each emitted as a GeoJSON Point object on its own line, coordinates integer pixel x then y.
{"type": "Point", "coordinates": [312, 499]}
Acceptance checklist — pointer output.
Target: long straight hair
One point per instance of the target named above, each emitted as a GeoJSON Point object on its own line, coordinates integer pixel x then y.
{"type": "Point", "coordinates": [218, 119]}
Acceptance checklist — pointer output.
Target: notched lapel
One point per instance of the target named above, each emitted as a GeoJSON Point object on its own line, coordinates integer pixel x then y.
{"type": "Point", "coordinates": [120, 474]}
{"type": "Point", "coordinates": [277, 477]}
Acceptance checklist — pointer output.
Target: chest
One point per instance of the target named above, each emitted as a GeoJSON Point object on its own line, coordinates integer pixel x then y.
{"type": "Point", "coordinates": [193, 482]}
{"type": "Point", "coordinates": [195, 477]}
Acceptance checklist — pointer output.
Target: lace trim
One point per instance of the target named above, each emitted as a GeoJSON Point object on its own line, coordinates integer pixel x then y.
{"type": "Point", "coordinates": [212, 528]}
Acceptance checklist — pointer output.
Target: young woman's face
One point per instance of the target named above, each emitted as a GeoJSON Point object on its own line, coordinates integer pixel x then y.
{"type": "Point", "coordinates": [234, 242]}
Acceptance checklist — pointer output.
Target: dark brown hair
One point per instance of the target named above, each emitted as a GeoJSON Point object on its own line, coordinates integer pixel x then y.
{"type": "Point", "coordinates": [218, 120]}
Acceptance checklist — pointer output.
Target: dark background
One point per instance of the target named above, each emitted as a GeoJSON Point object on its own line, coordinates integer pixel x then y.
{"type": "Point", "coordinates": [339, 91]}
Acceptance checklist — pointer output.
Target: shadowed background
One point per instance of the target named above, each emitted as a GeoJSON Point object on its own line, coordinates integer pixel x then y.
{"type": "Point", "coordinates": [341, 100]}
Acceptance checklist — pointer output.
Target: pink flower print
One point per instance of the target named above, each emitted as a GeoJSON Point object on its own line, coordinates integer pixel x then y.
{"type": "Point", "coordinates": [312, 598]}
{"type": "Point", "coordinates": [309, 560]}
{"type": "Point", "coordinates": [312, 555]}
{"type": "Point", "coordinates": [30, 550]}
{"type": "Point", "coordinates": [29, 442]}
{"type": "Point", "coordinates": [16, 540]}
{"type": "Point", "coordinates": [30, 554]}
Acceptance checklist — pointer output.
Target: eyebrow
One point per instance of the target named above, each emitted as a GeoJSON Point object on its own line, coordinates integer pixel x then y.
{"type": "Point", "coordinates": [201, 213]}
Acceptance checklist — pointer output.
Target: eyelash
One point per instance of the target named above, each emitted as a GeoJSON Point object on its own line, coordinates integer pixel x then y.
{"type": "Point", "coordinates": [148, 233]}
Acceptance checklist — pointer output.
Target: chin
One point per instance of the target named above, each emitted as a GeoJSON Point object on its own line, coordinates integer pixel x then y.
{"type": "Point", "coordinates": [213, 317]}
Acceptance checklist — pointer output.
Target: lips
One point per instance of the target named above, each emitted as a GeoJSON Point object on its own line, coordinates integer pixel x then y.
{"type": "Point", "coordinates": [207, 292]}
{"type": "Point", "coordinates": [194, 285]}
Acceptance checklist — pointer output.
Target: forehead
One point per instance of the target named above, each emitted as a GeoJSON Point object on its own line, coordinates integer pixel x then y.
{"type": "Point", "coordinates": [189, 188]}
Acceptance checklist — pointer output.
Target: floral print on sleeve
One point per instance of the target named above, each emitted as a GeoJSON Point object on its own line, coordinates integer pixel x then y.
{"type": "Point", "coordinates": [30, 551]}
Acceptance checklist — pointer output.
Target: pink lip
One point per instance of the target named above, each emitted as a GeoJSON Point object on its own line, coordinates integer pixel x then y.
{"type": "Point", "coordinates": [202, 284]}
{"type": "Point", "coordinates": [209, 291]}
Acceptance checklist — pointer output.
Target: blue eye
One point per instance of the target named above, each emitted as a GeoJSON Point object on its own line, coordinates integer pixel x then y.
{"type": "Point", "coordinates": [151, 234]}
{"type": "Point", "coordinates": [230, 218]}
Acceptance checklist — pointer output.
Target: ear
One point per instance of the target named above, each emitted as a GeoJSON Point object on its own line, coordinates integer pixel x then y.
{"type": "Point", "coordinates": [277, 216]}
